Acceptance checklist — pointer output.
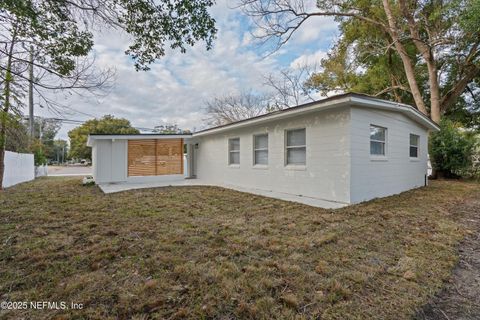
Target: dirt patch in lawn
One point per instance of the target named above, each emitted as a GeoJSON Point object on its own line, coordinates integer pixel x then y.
{"type": "Point", "coordinates": [460, 299]}
{"type": "Point", "coordinates": [206, 252]}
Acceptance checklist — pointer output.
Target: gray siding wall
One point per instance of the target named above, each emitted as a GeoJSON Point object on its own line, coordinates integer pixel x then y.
{"type": "Point", "coordinates": [372, 178]}
{"type": "Point", "coordinates": [325, 176]}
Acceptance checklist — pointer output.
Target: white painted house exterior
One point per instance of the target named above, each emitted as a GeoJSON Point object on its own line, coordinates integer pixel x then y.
{"type": "Point", "coordinates": [346, 149]}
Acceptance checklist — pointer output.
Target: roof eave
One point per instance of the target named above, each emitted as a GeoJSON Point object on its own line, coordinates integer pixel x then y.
{"type": "Point", "coordinates": [407, 110]}
{"type": "Point", "coordinates": [318, 105]}
{"type": "Point", "coordinates": [89, 141]}
{"type": "Point", "coordinates": [92, 138]}
{"type": "Point", "coordinates": [326, 104]}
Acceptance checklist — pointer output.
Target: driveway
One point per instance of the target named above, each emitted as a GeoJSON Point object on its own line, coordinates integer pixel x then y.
{"type": "Point", "coordinates": [69, 170]}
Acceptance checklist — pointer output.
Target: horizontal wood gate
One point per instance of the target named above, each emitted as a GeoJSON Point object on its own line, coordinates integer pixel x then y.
{"type": "Point", "coordinates": [154, 157]}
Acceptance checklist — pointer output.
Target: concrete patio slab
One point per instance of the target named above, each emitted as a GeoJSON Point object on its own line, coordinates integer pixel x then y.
{"type": "Point", "coordinates": [314, 202]}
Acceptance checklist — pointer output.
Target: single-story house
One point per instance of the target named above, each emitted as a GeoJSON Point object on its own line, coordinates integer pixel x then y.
{"type": "Point", "coordinates": [346, 149]}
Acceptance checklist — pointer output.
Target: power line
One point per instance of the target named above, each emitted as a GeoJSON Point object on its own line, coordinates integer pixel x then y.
{"type": "Point", "coordinates": [75, 121]}
{"type": "Point", "coordinates": [72, 121]}
{"type": "Point", "coordinates": [81, 112]}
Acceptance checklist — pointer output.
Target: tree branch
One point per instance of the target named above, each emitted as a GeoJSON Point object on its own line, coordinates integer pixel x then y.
{"type": "Point", "coordinates": [407, 62]}
{"type": "Point", "coordinates": [452, 95]}
{"type": "Point", "coordinates": [392, 88]}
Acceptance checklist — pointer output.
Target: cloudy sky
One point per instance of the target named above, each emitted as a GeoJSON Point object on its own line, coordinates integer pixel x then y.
{"type": "Point", "coordinates": [177, 86]}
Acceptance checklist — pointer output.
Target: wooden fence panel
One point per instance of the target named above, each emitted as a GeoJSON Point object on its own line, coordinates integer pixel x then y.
{"type": "Point", "coordinates": [169, 156]}
{"type": "Point", "coordinates": [155, 157]}
{"type": "Point", "coordinates": [141, 157]}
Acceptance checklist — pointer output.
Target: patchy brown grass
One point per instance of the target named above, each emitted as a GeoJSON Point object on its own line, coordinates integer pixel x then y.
{"type": "Point", "coordinates": [205, 252]}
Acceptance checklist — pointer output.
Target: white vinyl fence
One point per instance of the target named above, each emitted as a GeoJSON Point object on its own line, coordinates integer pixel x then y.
{"type": "Point", "coordinates": [41, 171]}
{"type": "Point", "coordinates": [19, 167]}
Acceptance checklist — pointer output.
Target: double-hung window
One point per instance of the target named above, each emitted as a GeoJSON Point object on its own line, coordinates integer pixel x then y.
{"type": "Point", "coordinates": [295, 147]}
{"type": "Point", "coordinates": [260, 149]}
{"type": "Point", "coordinates": [378, 140]}
{"type": "Point", "coordinates": [414, 142]}
{"type": "Point", "coordinates": [234, 151]}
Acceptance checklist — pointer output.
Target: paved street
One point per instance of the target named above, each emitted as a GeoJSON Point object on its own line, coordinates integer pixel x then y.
{"type": "Point", "coordinates": [69, 170]}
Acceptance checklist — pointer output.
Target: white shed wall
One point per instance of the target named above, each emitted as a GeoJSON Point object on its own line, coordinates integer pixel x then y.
{"type": "Point", "coordinates": [326, 175]}
{"type": "Point", "coordinates": [19, 167]}
{"type": "Point", "coordinates": [109, 161]}
{"type": "Point", "coordinates": [373, 178]}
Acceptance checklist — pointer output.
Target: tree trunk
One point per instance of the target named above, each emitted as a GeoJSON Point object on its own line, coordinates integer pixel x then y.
{"type": "Point", "coordinates": [2, 148]}
{"type": "Point", "coordinates": [407, 62]}
{"type": "Point", "coordinates": [5, 109]}
{"type": "Point", "coordinates": [429, 58]}
{"type": "Point", "coordinates": [435, 112]}
{"type": "Point", "coordinates": [3, 127]}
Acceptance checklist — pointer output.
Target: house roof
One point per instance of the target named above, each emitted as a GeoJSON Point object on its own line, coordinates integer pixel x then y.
{"type": "Point", "coordinates": [347, 99]}
{"type": "Point", "coordinates": [355, 99]}
{"type": "Point", "coordinates": [137, 136]}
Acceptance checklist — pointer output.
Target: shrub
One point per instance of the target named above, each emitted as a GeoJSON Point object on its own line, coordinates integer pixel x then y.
{"type": "Point", "coordinates": [451, 149]}
{"type": "Point", "coordinates": [474, 170]}
{"type": "Point", "coordinates": [40, 158]}
{"type": "Point", "coordinates": [38, 153]}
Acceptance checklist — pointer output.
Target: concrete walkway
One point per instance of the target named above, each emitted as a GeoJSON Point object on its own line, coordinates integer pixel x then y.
{"type": "Point", "coordinates": [314, 202]}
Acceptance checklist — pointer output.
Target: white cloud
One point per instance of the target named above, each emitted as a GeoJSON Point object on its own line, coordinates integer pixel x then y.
{"type": "Point", "coordinates": [176, 88]}
{"type": "Point", "coordinates": [308, 59]}
{"type": "Point", "coordinates": [315, 29]}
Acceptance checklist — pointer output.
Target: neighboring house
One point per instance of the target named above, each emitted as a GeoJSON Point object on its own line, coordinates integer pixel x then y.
{"type": "Point", "coordinates": [348, 148]}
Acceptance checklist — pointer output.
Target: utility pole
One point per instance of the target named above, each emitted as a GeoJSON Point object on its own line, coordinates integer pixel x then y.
{"type": "Point", "coordinates": [30, 97]}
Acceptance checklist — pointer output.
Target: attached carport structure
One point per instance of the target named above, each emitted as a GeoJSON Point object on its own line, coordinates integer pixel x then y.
{"type": "Point", "coordinates": [140, 157]}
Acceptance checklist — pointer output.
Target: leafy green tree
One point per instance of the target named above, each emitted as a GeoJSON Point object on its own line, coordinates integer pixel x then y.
{"type": "Point", "coordinates": [106, 125]}
{"type": "Point", "coordinates": [17, 139]}
{"type": "Point", "coordinates": [38, 152]}
{"type": "Point", "coordinates": [466, 110]}
{"type": "Point", "coordinates": [60, 150]}
{"type": "Point", "coordinates": [425, 52]}
{"type": "Point", "coordinates": [451, 149]}
{"type": "Point", "coordinates": [45, 131]}
{"type": "Point", "coordinates": [152, 25]}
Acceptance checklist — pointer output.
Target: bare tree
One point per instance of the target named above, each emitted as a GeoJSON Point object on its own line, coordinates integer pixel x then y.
{"type": "Point", "coordinates": [231, 108]}
{"type": "Point", "coordinates": [61, 64]}
{"type": "Point", "coordinates": [437, 35]}
{"type": "Point", "coordinates": [288, 86]}
{"type": "Point", "coordinates": [283, 90]}
{"type": "Point", "coordinates": [169, 128]}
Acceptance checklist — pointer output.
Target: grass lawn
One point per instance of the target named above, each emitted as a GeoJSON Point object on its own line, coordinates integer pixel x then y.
{"type": "Point", "coordinates": [206, 252]}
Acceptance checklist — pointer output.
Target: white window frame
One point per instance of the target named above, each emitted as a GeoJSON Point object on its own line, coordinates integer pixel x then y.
{"type": "Point", "coordinates": [287, 147]}
{"type": "Point", "coordinates": [415, 146]}
{"type": "Point", "coordinates": [233, 151]}
{"type": "Point", "coordinates": [385, 143]}
{"type": "Point", "coordinates": [259, 149]}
